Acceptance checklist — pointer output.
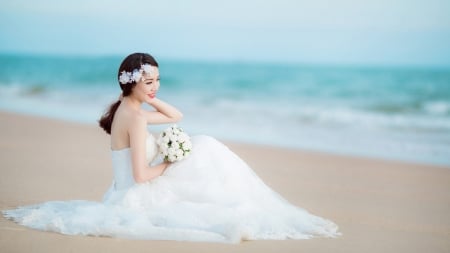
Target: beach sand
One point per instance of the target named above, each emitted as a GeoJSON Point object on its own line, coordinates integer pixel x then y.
{"type": "Point", "coordinates": [380, 206]}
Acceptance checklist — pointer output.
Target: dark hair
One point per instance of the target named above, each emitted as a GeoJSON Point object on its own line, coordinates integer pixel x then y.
{"type": "Point", "coordinates": [130, 63]}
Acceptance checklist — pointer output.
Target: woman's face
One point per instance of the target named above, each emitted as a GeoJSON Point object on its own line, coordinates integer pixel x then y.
{"type": "Point", "coordinates": [146, 89]}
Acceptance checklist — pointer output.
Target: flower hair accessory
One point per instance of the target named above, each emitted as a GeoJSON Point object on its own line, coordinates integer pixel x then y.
{"type": "Point", "coordinates": [136, 75]}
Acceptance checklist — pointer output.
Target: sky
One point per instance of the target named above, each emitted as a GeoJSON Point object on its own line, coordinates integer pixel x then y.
{"type": "Point", "coordinates": [370, 32]}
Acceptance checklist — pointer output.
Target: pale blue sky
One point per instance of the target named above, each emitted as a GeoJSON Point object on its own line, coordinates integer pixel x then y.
{"type": "Point", "coordinates": [349, 32]}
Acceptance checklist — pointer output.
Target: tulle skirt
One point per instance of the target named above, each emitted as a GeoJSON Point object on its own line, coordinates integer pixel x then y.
{"type": "Point", "coordinates": [211, 196]}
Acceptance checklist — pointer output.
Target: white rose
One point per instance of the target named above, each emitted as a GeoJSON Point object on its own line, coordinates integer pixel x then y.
{"type": "Point", "coordinates": [179, 153]}
{"type": "Point", "coordinates": [183, 137]}
{"type": "Point", "coordinates": [172, 151]}
{"type": "Point", "coordinates": [187, 145]}
{"type": "Point", "coordinates": [124, 77]}
{"type": "Point", "coordinates": [166, 139]}
{"type": "Point", "coordinates": [174, 139]}
{"type": "Point", "coordinates": [164, 148]}
{"type": "Point", "coordinates": [147, 68]}
{"type": "Point", "coordinates": [172, 158]}
{"type": "Point", "coordinates": [136, 76]}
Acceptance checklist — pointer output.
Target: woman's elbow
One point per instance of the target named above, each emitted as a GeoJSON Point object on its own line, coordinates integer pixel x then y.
{"type": "Point", "coordinates": [180, 117]}
{"type": "Point", "coordinates": [142, 178]}
{"type": "Point", "coordinates": [177, 117]}
{"type": "Point", "coordinates": [139, 179]}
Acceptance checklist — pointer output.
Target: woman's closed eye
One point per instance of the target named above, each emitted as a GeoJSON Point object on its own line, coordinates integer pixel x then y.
{"type": "Point", "coordinates": [148, 82]}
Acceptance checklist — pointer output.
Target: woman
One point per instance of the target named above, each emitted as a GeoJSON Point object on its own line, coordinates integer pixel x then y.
{"type": "Point", "coordinates": [212, 195]}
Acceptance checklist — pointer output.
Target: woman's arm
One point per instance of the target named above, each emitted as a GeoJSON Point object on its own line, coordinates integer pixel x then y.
{"type": "Point", "coordinates": [164, 113]}
{"type": "Point", "coordinates": [138, 136]}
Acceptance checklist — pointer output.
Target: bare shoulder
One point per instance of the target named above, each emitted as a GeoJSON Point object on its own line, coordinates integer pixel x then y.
{"type": "Point", "coordinates": [137, 117]}
{"type": "Point", "coordinates": [126, 119]}
{"type": "Point", "coordinates": [136, 120]}
{"type": "Point", "coordinates": [125, 115]}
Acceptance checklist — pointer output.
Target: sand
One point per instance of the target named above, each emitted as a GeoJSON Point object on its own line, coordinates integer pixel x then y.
{"type": "Point", "coordinates": [379, 205]}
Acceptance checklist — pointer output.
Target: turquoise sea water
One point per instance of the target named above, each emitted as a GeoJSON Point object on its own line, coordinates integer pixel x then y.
{"type": "Point", "coordinates": [394, 113]}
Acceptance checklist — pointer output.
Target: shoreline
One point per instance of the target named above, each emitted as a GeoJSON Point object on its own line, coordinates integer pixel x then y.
{"type": "Point", "coordinates": [362, 155]}
{"type": "Point", "coordinates": [379, 205]}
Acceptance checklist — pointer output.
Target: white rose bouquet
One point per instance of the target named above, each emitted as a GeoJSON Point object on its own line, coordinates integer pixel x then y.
{"type": "Point", "coordinates": [174, 144]}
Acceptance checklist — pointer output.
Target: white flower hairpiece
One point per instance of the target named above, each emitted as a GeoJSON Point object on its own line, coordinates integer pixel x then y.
{"type": "Point", "coordinates": [136, 75]}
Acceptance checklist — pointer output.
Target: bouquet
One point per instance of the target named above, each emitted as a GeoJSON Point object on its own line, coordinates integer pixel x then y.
{"type": "Point", "coordinates": [174, 144]}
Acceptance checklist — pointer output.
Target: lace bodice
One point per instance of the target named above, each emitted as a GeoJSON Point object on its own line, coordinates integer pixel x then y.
{"type": "Point", "coordinates": [122, 166]}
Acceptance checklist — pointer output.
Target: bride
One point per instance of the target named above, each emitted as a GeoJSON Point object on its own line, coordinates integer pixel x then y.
{"type": "Point", "coordinates": [212, 195]}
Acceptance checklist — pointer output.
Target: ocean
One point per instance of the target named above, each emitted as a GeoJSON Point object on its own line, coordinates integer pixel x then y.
{"type": "Point", "coordinates": [395, 113]}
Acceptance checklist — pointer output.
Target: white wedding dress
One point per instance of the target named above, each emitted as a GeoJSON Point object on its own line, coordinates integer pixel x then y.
{"type": "Point", "coordinates": [210, 196]}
